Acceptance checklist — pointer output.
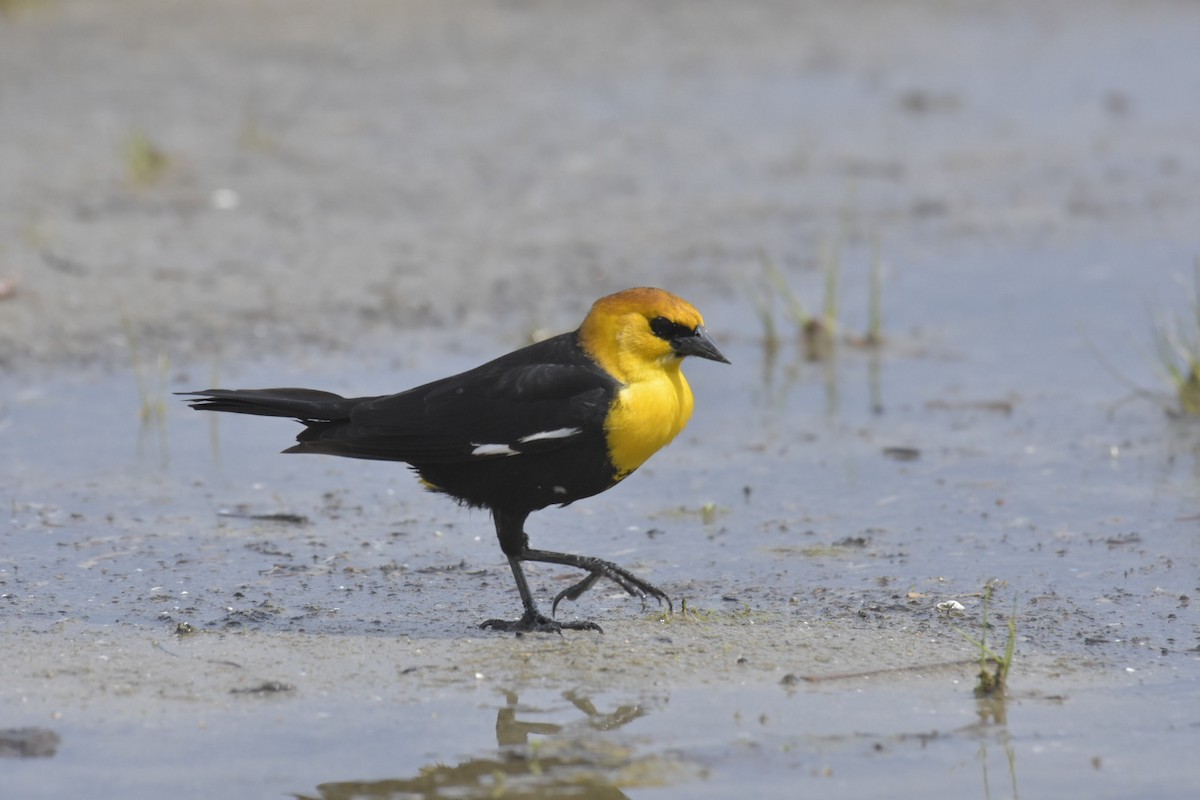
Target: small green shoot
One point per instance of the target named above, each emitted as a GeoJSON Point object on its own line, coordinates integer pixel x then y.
{"type": "Point", "coordinates": [993, 669]}
{"type": "Point", "coordinates": [145, 162]}
{"type": "Point", "coordinates": [764, 306]}
{"type": "Point", "coordinates": [1177, 346]}
{"type": "Point", "coordinates": [832, 257]}
{"type": "Point", "coordinates": [708, 512]}
{"type": "Point", "coordinates": [773, 274]}
{"type": "Point", "coordinates": [874, 337]}
{"type": "Point", "coordinates": [12, 7]}
{"type": "Point", "coordinates": [152, 390]}
{"type": "Point", "coordinates": [818, 333]}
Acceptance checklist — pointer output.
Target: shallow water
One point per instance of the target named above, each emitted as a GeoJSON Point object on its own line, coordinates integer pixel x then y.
{"type": "Point", "coordinates": [538, 743]}
{"type": "Point", "coordinates": [820, 557]}
{"type": "Point", "coordinates": [862, 738]}
{"type": "Point", "coordinates": [187, 613]}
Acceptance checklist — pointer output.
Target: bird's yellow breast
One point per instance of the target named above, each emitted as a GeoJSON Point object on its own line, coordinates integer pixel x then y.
{"type": "Point", "coordinates": [645, 416]}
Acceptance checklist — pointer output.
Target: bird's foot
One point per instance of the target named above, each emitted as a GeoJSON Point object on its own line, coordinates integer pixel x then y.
{"type": "Point", "coordinates": [534, 622]}
{"type": "Point", "coordinates": [631, 583]}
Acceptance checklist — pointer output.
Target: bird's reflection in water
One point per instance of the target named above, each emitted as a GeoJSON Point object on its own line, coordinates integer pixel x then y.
{"type": "Point", "coordinates": [534, 760]}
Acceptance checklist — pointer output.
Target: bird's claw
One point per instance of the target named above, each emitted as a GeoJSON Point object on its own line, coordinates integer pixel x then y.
{"type": "Point", "coordinates": [632, 584]}
{"type": "Point", "coordinates": [533, 622]}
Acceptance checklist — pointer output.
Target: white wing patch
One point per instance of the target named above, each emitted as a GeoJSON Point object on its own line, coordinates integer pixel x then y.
{"type": "Point", "coordinates": [488, 450]}
{"type": "Point", "coordinates": [557, 433]}
{"type": "Point", "coordinates": [493, 450]}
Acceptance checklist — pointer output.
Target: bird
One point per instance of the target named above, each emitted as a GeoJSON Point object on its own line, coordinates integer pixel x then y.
{"type": "Point", "coordinates": [553, 422]}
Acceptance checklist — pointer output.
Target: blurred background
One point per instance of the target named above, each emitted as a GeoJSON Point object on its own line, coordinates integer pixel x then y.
{"type": "Point", "coordinates": [259, 176]}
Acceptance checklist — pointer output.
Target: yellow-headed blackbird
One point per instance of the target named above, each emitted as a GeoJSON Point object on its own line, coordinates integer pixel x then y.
{"type": "Point", "coordinates": [559, 420]}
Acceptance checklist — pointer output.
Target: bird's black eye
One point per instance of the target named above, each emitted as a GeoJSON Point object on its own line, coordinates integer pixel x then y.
{"type": "Point", "coordinates": [667, 329]}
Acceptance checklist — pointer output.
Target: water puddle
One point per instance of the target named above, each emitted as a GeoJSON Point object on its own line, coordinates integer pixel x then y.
{"type": "Point", "coordinates": [159, 572]}
{"type": "Point", "coordinates": [494, 740]}
{"type": "Point", "coordinates": [187, 613]}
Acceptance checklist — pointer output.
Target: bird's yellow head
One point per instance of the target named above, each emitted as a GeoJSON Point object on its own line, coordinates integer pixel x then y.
{"type": "Point", "coordinates": [644, 331]}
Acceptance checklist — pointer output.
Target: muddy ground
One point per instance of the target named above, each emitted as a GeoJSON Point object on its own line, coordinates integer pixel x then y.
{"type": "Point", "coordinates": [366, 197]}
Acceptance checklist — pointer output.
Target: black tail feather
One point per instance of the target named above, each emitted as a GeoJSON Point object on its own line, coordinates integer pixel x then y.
{"type": "Point", "coordinates": [301, 404]}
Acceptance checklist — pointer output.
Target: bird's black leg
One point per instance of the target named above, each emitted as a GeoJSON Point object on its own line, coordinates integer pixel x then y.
{"type": "Point", "coordinates": [533, 620]}
{"type": "Point", "coordinates": [597, 569]}
{"type": "Point", "coordinates": [510, 529]}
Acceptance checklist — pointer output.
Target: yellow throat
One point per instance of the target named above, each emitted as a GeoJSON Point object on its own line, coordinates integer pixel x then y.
{"type": "Point", "coordinates": [645, 416]}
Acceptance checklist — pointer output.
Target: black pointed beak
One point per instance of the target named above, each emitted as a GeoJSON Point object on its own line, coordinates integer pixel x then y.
{"type": "Point", "coordinates": [699, 344]}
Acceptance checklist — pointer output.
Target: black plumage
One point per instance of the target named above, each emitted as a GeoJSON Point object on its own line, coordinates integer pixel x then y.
{"type": "Point", "coordinates": [443, 428]}
{"type": "Point", "coordinates": [546, 424]}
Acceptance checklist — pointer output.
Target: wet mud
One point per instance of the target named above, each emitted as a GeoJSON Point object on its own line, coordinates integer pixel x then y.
{"type": "Point", "coordinates": [403, 191]}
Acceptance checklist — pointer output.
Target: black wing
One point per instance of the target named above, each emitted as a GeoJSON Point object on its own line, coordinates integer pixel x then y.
{"type": "Point", "coordinates": [533, 400]}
